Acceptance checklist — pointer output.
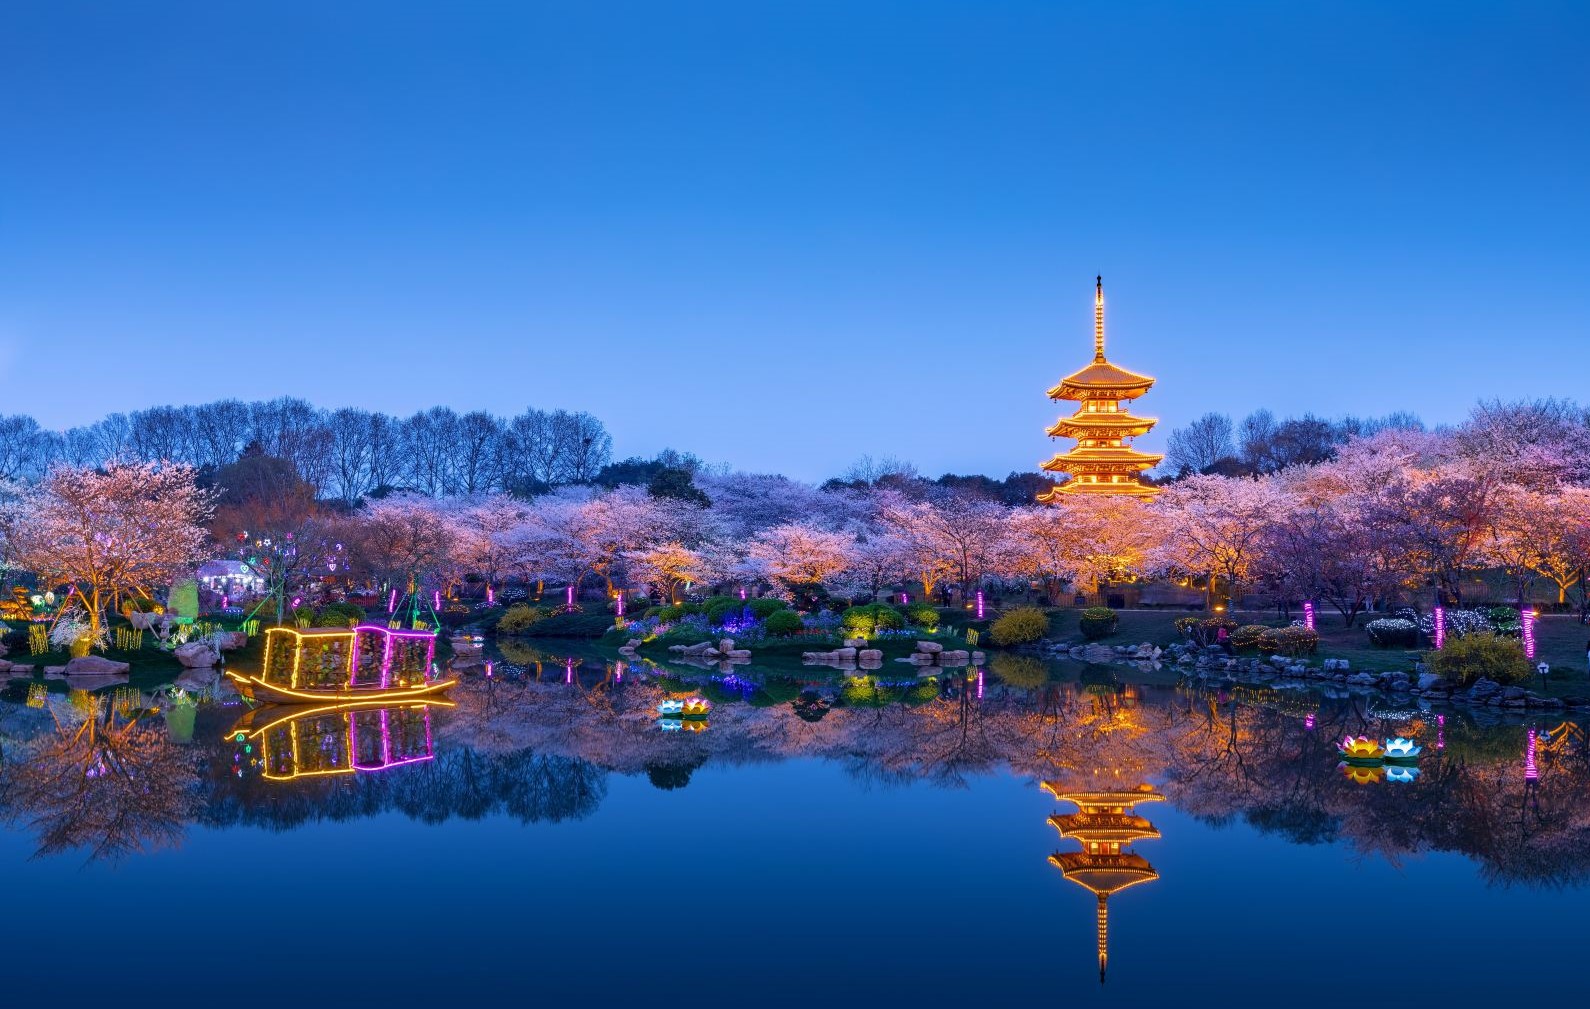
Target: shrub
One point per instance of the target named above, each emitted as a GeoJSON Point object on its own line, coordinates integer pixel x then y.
{"type": "Point", "coordinates": [569, 625]}
{"type": "Point", "coordinates": [865, 621]}
{"type": "Point", "coordinates": [339, 615]}
{"type": "Point", "coordinates": [1392, 632]}
{"type": "Point", "coordinates": [1466, 659]}
{"type": "Point", "coordinates": [520, 618]}
{"type": "Point", "coordinates": [720, 608]}
{"type": "Point", "coordinates": [1504, 620]}
{"type": "Point", "coordinates": [1098, 622]}
{"type": "Point", "coordinates": [667, 613]}
{"type": "Point", "coordinates": [922, 615]}
{"type": "Point", "coordinates": [304, 615]}
{"type": "Point", "coordinates": [783, 623]}
{"type": "Point", "coordinates": [139, 604]}
{"type": "Point", "coordinates": [1020, 626]}
{"type": "Point", "coordinates": [764, 608]}
{"type": "Point", "coordinates": [1293, 641]}
{"type": "Point", "coordinates": [1248, 636]}
{"type": "Point", "coordinates": [1204, 631]}
{"type": "Point", "coordinates": [1459, 623]}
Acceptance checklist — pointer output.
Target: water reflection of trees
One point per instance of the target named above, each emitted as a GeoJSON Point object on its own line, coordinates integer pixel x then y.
{"type": "Point", "coordinates": [543, 750]}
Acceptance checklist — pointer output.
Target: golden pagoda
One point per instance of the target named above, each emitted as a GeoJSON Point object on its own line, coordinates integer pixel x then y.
{"type": "Point", "coordinates": [1106, 825]}
{"type": "Point", "coordinates": [1103, 461]}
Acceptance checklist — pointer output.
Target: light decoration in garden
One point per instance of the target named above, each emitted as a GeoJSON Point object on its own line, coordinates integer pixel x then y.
{"type": "Point", "coordinates": [979, 684]}
{"type": "Point", "coordinates": [1402, 775]}
{"type": "Point", "coordinates": [979, 604]}
{"type": "Point", "coordinates": [436, 599]}
{"type": "Point", "coordinates": [742, 595]}
{"type": "Point", "coordinates": [1526, 625]}
{"type": "Point", "coordinates": [1438, 625]}
{"type": "Point", "coordinates": [1308, 721]}
{"type": "Point", "coordinates": [670, 708]}
{"type": "Point", "coordinates": [568, 670]}
{"type": "Point", "coordinates": [1103, 461]}
{"type": "Point", "coordinates": [342, 739]}
{"type": "Point", "coordinates": [1308, 615]}
{"type": "Point", "coordinates": [338, 651]}
{"type": "Point", "coordinates": [905, 599]}
{"type": "Point", "coordinates": [568, 595]}
{"type": "Point", "coordinates": [1362, 774]}
{"type": "Point", "coordinates": [491, 596]}
{"type": "Point", "coordinates": [391, 602]}
{"type": "Point", "coordinates": [1531, 769]}
{"type": "Point", "coordinates": [1440, 732]}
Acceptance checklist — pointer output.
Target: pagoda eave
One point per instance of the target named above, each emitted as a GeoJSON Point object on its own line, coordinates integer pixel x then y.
{"type": "Point", "coordinates": [1088, 427]}
{"type": "Point", "coordinates": [1086, 490]}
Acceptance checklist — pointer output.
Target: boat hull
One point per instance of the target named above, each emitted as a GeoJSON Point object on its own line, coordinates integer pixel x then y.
{"type": "Point", "coordinates": [256, 689]}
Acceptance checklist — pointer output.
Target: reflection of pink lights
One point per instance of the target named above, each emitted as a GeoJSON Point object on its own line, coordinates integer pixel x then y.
{"type": "Point", "coordinates": [621, 604]}
{"type": "Point", "coordinates": [1439, 619]}
{"type": "Point", "coordinates": [1440, 732]}
{"type": "Point", "coordinates": [1526, 623]}
{"type": "Point", "coordinates": [1308, 615]}
{"type": "Point", "coordinates": [979, 684]}
{"type": "Point", "coordinates": [618, 671]}
{"type": "Point", "coordinates": [391, 602]}
{"type": "Point", "coordinates": [569, 595]}
{"type": "Point", "coordinates": [387, 760]}
{"type": "Point", "coordinates": [1531, 771]}
{"type": "Point", "coordinates": [488, 669]}
{"type": "Point", "coordinates": [568, 670]}
{"type": "Point", "coordinates": [491, 596]}
{"type": "Point", "coordinates": [1308, 720]}
{"type": "Point", "coordinates": [979, 604]}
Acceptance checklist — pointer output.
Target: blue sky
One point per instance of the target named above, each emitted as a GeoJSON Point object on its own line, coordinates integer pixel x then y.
{"type": "Point", "coordinates": [782, 235]}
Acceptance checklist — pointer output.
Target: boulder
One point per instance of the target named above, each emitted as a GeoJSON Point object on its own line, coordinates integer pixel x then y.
{"type": "Point", "coordinates": [920, 659]}
{"type": "Point", "coordinates": [740, 653]}
{"type": "Point", "coordinates": [955, 659]}
{"type": "Point", "coordinates": [870, 655]}
{"type": "Point", "coordinates": [195, 655]}
{"type": "Point", "coordinates": [930, 647]}
{"type": "Point", "coordinates": [845, 653]}
{"type": "Point", "coordinates": [726, 645]}
{"type": "Point", "coordinates": [710, 653]}
{"type": "Point", "coordinates": [94, 665]}
{"type": "Point", "coordinates": [978, 658]}
{"type": "Point", "coordinates": [143, 621]}
{"type": "Point", "coordinates": [229, 641]}
{"type": "Point", "coordinates": [1428, 680]}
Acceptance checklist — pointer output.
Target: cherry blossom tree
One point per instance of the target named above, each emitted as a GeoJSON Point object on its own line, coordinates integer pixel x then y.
{"type": "Point", "coordinates": [128, 527]}
{"type": "Point", "coordinates": [798, 556]}
{"type": "Point", "coordinates": [1214, 525]}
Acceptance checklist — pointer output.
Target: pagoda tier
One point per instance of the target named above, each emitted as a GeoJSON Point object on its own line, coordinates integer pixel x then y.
{"type": "Point", "coordinates": [1103, 461]}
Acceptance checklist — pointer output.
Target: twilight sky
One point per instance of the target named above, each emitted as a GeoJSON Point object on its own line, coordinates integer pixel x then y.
{"type": "Point", "coordinates": [781, 234]}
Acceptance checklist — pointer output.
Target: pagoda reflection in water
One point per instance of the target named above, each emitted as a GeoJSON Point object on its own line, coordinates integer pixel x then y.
{"type": "Point", "coordinates": [296, 742]}
{"type": "Point", "coordinates": [1106, 825]}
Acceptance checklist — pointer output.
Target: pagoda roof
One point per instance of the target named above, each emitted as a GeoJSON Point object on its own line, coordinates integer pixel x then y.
{"type": "Point", "coordinates": [1115, 424]}
{"type": "Point", "coordinates": [1106, 797]}
{"type": "Point", "coordinates": [1092, 459]}
{"type": "Point", "coordinates": [1101, 380]}
{"type": "Point", "coordinates": [1104, 874]}
{"type": "Point", "coordinates": [1075, 489]}
{"type": "Point", "coordinates": [1120, 827]}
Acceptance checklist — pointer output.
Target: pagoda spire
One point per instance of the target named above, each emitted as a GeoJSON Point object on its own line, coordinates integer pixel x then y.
{"type": "Point", "coordinates": [1104, 934]}
{"type": "Point", "coordinates": [1098, 319]}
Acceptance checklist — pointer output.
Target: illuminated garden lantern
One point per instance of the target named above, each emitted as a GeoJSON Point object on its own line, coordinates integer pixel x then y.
{"type": "Point", "coordinates": [1402, 775]}
{"type": "Point", "coordinates": [1360, 774]}
{"type": "Point", "coordinates": [979, 604]}
{"type": "Point", "coordinates": [1526, 627]}
{"type": "Point", "coordinates": [1308, 615]}
{"type": "Point", "coordinates": [1438, 627]}
{"type": "Point", "coordinates": [1401, 750]}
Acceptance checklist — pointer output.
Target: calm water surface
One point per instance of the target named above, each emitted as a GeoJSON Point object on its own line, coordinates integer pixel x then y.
{"type": "Point", "coordinates": [819, 839]}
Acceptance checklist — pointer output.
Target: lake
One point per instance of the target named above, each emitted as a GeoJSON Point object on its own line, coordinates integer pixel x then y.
{"type": "Point", "coordinates": [817, 837]}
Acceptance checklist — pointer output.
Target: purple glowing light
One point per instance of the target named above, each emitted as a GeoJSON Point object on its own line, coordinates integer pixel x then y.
{"type": "Point", "coordinates": [1531, 769]}
{"type": "Point", "coordinates": [1308, 721]}
{"type": "Point", "coordinates": [1308, 615]}
{"type": "Point", "coordinates": [569, 596]}
{"type": "Point", "coordinates": [436, 599]}
{"type": "Point", "coordinates": [491, 596]}
{"type": "Point", "coordinates": [1440, 732]}
{"type": "Point", "coordinates": [979, 604]}
{"type": "Point", "coordinates": [1526, 623]}
{"type": "Point", "coordinates": [1439, 619]}
{"type": "Point", "coordinates": [621, 604]}
{"type": "Point", "coordinates": [568, 670]}
{"type": "Point", "coordinates": [905, 599]}
{"type": "Point", "coordinates": [391, 602]}
{"type": "Point", "coordinates": [742, 595]}
{"type": "Point", "coordinates": [979, 684]}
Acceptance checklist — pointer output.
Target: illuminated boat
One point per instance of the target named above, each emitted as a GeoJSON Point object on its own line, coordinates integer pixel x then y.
{"type": "Point", "coordinates": [331, 664]}
{"type": "Point", "coordinates": [1402, 751]}
{"type": "Point", "coordinates": [294, 741]}
{"type": "Point", "coordinates": [1361, 751]}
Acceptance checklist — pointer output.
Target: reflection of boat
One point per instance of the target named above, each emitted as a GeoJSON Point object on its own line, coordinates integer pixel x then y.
{"type": "Point", "coordinates": [344, 664]}
{"type": "Point", "coordinates": [302, 742]}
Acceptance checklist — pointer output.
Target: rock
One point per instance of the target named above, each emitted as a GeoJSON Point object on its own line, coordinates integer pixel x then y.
{"type": "Point", "coordinates": [1513, 693]}
{"type": "Point", "coordinates": [1428, 681]}
{"type": "Point", "coordinates": [920, 659]}
{"type": "Point", "coordinates": [699, 648]}
{"type": "Point", "coordinates": [95, 665]}
{"type": "Point", "coordinates": [1484, 688]}
{"type": "Point", "coordinates": [954, 659]}
{"type": "Point", "coordinates": [96, 681]}
{"type": "Point", "coordinates": [930, 647]}
{"type": "Point", "coordinates": [1362, 680]}
{"type": "Point", "coordinates": [195, 655]}
{"type": "Point", "coordinates": [230, 640]}
{"type": "Point", "coordinates": [143, 621]}
{"type": "Point", "coordinates": [978, 658]}
{"type": "Point", "coordinates": [845, 653]}
{"type": "Point", "coordinates": [711, 653]}
{"type": "Point", "coordinates": [17, 672]}
{"type": "Point", "coordinates": [726, 645]}
{"type": "Point", "coordinates": [857, 643]}
{"type": "Point", "coordinates": [870, 655]}
{"type": "Point", "coordinates": [740, 653]}
{"type": "Point", "coordinates": [633, 643]}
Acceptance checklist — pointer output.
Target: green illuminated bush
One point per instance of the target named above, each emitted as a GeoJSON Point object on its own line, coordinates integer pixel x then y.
{"type": "Point", "coordinates": [865, 621]}
{"type": "Point", "coordinates": [1248, 636]}
{"type": "Point", "coordinates": [922, 615]}
{"type": "Point", "coordinates": [1098, 622]}
{"type": "Point", "coordinates": [1020, 626]}
{"type": "Point", "coordinates": [1473, 656]}
{"type": "Point", "coordinates": [1293, 641]}
{"type": "Point", "coordinates": [783, 623]}
{"type": "Point", "coordinates": [766, 607]}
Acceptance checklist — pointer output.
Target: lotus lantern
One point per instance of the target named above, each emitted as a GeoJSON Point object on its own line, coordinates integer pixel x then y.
{"type": "Point", "coordinates": [1360, 749]}
{"type": "Point", "coordinates": [1403, 775]}
{"type": "Point", "coordinates": [1360, 774]}
{"type": "Point", "coordinates": [1402, 748]}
